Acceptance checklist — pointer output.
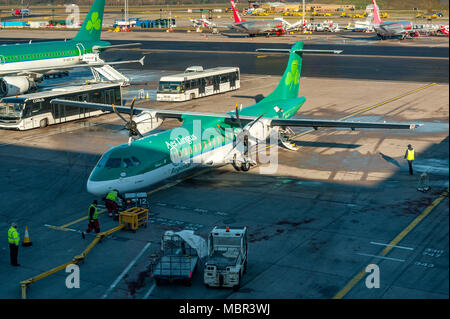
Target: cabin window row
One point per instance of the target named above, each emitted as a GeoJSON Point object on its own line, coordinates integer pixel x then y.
{"type": "Point", "coordinates": [196, 148]}
{"type": "Point", "coordinates": [40, 55]}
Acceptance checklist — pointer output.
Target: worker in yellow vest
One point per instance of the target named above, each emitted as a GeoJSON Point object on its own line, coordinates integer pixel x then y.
{"type": "Point", "coordinates": [93, 220]}
{"type": "Point", "coordinates": [13, 240]}
{"type": "Point", "coordinates": [111, 204]}
{"type": "Point", "coordinates": [409, 155]}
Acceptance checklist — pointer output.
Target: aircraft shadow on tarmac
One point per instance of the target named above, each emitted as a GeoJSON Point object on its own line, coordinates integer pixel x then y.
{"type": "Point", "coordinates": [325, 144]}
{"type": "Point", "coordinates": [257, 97]}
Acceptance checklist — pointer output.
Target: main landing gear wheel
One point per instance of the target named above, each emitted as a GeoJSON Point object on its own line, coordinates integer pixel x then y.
{"type": "Point", "coordinates": [245, 166]}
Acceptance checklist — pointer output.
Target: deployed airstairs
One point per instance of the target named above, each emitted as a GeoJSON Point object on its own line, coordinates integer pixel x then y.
{"type": "Point", "coordinates": [107, 71]}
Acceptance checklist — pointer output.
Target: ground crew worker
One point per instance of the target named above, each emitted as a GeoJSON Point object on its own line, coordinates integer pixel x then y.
{"type": "Point", "coordinates": [93, 219]}
{"type": "Point", "coordinates": [110, 202]}
{"type": "Point", "coordinates": [409, 155]}
{"type": "Point", "coordinates": [13, 240]}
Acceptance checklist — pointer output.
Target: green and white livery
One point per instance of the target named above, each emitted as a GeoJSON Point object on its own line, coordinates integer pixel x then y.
{"type": "Point", "coordinates": [204, 139]}
{"type": "Point", "coordinates": [23, 65]}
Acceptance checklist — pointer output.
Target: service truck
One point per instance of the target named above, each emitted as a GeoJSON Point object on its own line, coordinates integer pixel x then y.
{"type": "Point", "coordinates": [226, 261]}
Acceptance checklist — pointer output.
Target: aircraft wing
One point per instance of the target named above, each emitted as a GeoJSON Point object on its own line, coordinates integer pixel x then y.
{"type": "Point", "coordinates": [108, 47]}
{"type": "Point", "coordinates": [230, 118]}
{"type": "Point", "coordinates": [340, 124]}
{"type": "Point", "coordinates": [64, 67]}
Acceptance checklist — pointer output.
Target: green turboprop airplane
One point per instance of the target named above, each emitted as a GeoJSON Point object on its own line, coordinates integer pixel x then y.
{"type": "Point", "coordinates": [22, 65]}
{"type": "Point", "coordinates": [205, 139]}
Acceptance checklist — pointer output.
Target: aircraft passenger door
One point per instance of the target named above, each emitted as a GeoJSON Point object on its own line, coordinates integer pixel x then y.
{"type": "Point", "coordinates": [81, 49]}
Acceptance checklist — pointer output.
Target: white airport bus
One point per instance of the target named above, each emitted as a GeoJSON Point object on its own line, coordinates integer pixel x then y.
{"type": "Point", "coordinates": [196, 82]}
{"type": "Point", "coordinates": [28, 111]}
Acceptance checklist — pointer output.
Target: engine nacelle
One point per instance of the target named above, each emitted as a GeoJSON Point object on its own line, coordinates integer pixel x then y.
{"type": "Point", "coordinates": [147, 121]}
{"type": "Point", "coordinates": [15, 85]}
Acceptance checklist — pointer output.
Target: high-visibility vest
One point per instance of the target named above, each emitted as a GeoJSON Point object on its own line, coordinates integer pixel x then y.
{"type": "Point", "coordinates": [95, 215]}
{"type": "Point", "coordinates": [112, 195]}
{"type": "Point", "coordinates": [410, 156]}
{"type": "Point", "coordinates": [13, 236]}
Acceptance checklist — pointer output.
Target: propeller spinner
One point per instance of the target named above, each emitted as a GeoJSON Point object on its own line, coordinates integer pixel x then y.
{"type": "Point", "coordinates": [130, 125]}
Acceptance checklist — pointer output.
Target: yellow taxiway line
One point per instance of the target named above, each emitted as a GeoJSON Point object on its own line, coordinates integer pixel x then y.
{"type": "Point", "coordinates": [394, 242]}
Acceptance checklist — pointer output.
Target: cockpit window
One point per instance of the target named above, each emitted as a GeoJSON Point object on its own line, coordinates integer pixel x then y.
{"type": "Point", "coordinates": [113, 162]}
{"type": "Point", "coordinates": [103, 161]}
{"type": "Point", "coordinates": [135, 161]}
{"type": "Point", "coordinates": [126, 163]}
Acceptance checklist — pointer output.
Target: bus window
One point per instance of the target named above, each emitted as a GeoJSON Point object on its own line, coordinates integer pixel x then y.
{"type": "Point", "coordinates": [187, 85]}
{"type": "Point", "coordinates": [36, 108]}
{"type": "Point", "coordinates": [10, 110]}
{"type": "Point", "coordinates": [46, 107]}
{"type": "Point", "coordinates": [118, 97]}
{"type": "Point", "coordinates": [169, 87]}
{"type": "Point", "coordinates": [95, 97]}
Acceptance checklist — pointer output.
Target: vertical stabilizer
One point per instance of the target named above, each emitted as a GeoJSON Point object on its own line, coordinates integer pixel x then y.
{"type": "Point", "coordinates": [289, 84]}
{"type": "Point", "coordinates": [376, 14]}
{"type": "Point", "coordinates": [92, 25]}
{"type": "Point", "coordinates": [237, 17]}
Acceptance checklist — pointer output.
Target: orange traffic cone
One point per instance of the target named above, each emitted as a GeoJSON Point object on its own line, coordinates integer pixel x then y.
{"type": "Point", "coordinates": [26, 240]}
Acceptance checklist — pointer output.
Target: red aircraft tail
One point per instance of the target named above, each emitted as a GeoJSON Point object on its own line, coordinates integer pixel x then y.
{"type": "Point", "coordinates": [237, 17]}
{"type": "Point", "coordinates": [376, 15]}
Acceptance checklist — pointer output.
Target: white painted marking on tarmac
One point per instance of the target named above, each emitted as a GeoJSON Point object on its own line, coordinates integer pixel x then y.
{"type": "Point", "coordinates": [62, 228]}
{"type": "Point", "coordinates": [149, 291]}
{"type": "Point", "coordinates": [389, 245]}
{"type": "Point", "coordinates": [388, 258]}
{"type": "Point", "coordinates": [125, 271]}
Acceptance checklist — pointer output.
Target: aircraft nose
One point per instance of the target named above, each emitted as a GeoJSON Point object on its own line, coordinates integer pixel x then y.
{"type": "Point", "coordinates": [97, 188]}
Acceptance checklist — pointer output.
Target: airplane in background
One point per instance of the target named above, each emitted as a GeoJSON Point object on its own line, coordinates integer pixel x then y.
{"type": "Point", "coordinates": [203, 23]}
{"type": "Point", "coordinates": [402, 28]}
{"type": "Point", "coordinates": [23, 65]}
{"type": "Point", "coordinates": [206, 139]}
{"type": "Point", "coordinates": [257, 26]}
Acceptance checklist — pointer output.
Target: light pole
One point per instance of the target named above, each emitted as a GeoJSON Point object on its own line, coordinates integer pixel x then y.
{"type": "Point", "coordinates": [303, 16]}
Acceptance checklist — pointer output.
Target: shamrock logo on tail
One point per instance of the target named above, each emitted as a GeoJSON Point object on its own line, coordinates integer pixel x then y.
{"type": "Point", "coordinates": [94, 23]}
{"type": "Point", "coordinates": [293, 75]}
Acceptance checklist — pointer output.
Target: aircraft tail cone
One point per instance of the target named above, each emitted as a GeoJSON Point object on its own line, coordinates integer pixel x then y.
{"type": "Point", "coordinates": [26, 240]}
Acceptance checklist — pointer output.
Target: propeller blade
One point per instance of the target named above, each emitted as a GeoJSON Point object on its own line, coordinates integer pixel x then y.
{"type": "Point", "coordinates": [132, 107]}
{"type": "Point", "coordinates": [118, 114]}
{"type": "Point", "coordinates": [254, 121]}
{"type": "Point", "coordinates": [237, 116]}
